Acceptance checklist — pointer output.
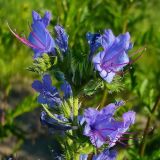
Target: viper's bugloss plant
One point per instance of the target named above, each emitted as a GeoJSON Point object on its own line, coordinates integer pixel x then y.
{"type": "Point", "coordinates": [87, 132]}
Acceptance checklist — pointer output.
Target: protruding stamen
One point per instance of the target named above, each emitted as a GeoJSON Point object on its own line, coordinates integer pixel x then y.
{"type": "Point", "coordinates": [23, 40]}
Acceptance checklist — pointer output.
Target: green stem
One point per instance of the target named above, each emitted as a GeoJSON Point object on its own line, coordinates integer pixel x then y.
{"type": "Point", "coordinates": [76, 156]}
{"type": "Point", "coordinates": [143, 142]}
{"type": "Point", "coordinates": [103, 101]}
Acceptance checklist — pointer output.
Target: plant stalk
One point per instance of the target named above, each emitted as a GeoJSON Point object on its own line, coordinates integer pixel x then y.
{"type": "Point", "coordinates": [143, 142]}
{"type": "Point", "coordinates": [103, 101]}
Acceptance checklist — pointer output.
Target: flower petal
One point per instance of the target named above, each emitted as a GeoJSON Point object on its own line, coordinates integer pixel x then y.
{"type": "Point", "coordinates": [46, 19]}
{"type": "Point", "coordinates": [106, 155]}
{"type": "Point", "coordinates": [47, 82]}
{"type": "Point", "coordinates": [109, 109]}
{"type": "Point", "coordinates": [90, 115]}
{"type": "Point", "coordinates": [41, 99]}
{"type": "Point", "coordinates": [109, 77]}
{"type": "Point", "coordinates": [67, 90]}
{"type": "Point", "coordinates": [107, 38]}
{"type": "Point", "coordinates": [35, 16]}
{"type": "Point", "coordinates": [129, 118]}
{"type": "Point", "coordinates": [37, 85]}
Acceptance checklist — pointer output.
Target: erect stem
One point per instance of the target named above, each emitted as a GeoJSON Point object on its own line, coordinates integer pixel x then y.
{"type": "Point", "coordinates": [90, 156]}
{"type": "Point", "coordinates": [104, 97]}
{"type": "Point", "coordinates": [143, 142]}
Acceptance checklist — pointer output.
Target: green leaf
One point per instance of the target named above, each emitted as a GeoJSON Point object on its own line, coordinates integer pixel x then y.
{"type": "Point", "coordinates": [143, 87]}
{"type": "Point", "coordinates": [70, 107]}
{"type": "Point", "coordinates": [75, 106]}
{"type": "Point", "coordinates": [85, 148]}
{"type": "Point", "coordinates": [66, 109]}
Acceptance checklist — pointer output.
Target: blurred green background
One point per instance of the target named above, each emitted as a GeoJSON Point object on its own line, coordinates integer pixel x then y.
{"type": "Point", "coordinates": [21, 134]}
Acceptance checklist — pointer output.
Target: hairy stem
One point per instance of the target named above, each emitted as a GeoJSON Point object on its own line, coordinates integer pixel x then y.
{"type": "Point", "coordinates": [143, 142]}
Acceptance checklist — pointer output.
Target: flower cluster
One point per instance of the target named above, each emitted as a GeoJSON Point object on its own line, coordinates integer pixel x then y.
{"type": "Point", "coordinates": [49, 94]}
{"type": "Point", "coordinates": [40, 39]}
{"type": "Point", "coordinates": [100, 127]}
{"type": "Point", "coordinates": [114, 55]}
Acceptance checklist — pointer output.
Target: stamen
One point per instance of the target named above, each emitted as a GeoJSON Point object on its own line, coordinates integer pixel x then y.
{"type": "Point", "coordinates": [130, 133]}
{"type": "Point", "coordinates": [136, 58]}
{"type": "Point", "coordinates": [129, 63]}
{"type": "Point", "coordinates": [124, 144]}
{"type": "Point", "coordinates": [122, 64]}
{"type": "Point", "coordinates": [111, 129]}
{"type": "Point", "coordinates": [123, 138]}
{"type": "Point", "coordinates": [139, 50]}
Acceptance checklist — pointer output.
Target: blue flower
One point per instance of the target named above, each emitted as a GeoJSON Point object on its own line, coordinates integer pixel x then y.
{"type": "Point", "coordinates": [101, 126]}
{"type": "Point", "coordinates": [57, 124]}
{"type": "Point", "coordinates": [62, 39]}
{"type": "Point", "coordinates": [106, 155]}
{"type": "Point", "coordinates": [94, 41]}
{"type": "Point", "coordinates": [45, 20]}
{"type": "Point", "coordinates": [67, 90]}
{"type": "Point", "coordinates": [39, 38]}
{"type": "Point", "coordinates": [48, 93]}
{"type": "Point", "coordinates": [114, 56]}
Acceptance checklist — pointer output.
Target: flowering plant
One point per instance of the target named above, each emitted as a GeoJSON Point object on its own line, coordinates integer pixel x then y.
{"type": "Point", "coordinates": [86, 132]}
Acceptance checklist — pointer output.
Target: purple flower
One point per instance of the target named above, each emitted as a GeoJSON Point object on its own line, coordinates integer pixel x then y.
{"type": "Point", "coordinates": [114, 55]}
{"type": "Point", "coordinates": [66, 89]}
{"type": "Point", "coordinates": [39, 38]}
{"type": "Point", "coordinates": [48, 93]}
{"type": "Point", "coordinates": [45, 20]}
{"type": "Point", "coordinates": [94, 42]}
{"type": "Point", "coordinates": [62, 38]}
{"type": "Point", "coordinates": [101, 126]}
{"type": "Point", "coordinates": [57, 124]}
{"type": "Point", "coordinates": [106, 155]}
